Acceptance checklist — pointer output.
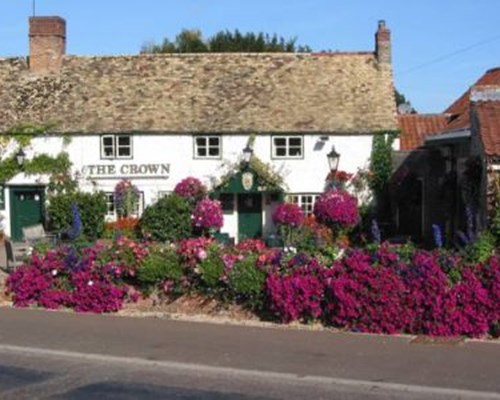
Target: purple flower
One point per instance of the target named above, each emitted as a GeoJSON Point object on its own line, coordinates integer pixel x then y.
{"type": "Point", "coordinates": [438, 237]}
{"type": "Point", "coordinates": [376, 231]}
{"type": "Point", "coordinates": [76, 224]}
{"type": "Point", "coordinates": [126, 196]}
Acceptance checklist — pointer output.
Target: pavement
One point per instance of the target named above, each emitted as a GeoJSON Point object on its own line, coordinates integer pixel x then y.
{"type": "Point", "coordinates": [68, 355]}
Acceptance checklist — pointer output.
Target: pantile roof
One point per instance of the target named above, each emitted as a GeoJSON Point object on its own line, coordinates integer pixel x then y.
{"type": "Point", "coordinates": [416, 127]}
{"type": "Point", "coordinates": [488, 118]}
{"type": "Point", "coordinates": [460, 110]}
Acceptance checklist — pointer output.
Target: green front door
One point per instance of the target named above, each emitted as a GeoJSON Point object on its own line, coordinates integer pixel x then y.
{"type": "Point", "coordinates": [249, 215]}
{"type": "Point", "coordinates": [26, 208]}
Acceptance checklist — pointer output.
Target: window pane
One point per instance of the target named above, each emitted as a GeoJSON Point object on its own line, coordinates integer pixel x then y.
{"type": "Point", "coordinates": [213, 141]}
{"type": "Point", "coordinates": [108, 146]}
{"type": "Point", "coordinates": [123, 151]}
{"type": "Point", "coordinates": [108, 151]}
{"type": "Point", "coordinates": [201, 141]}
{"type": "Point", "coordinates": [123, 140]}
{"type": "Point", "coordinates": [202, 152]}
{"type": "Point", "coordinates": [280, 151]}
{"type": "Point", "coordinates": [213, 151]}
{"type": "Point", "coordinates": [296, 141]}
{"type": "Point", "coordinates": [295, 151]}
{"type": "Point", "coordinates": [280, 142]}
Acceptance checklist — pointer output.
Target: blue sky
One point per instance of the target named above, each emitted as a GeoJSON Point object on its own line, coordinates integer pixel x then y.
{"type": "Point", "coordinates": [423, 31]}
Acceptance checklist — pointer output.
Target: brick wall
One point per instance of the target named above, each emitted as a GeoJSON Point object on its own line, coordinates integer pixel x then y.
{"type": "Point", "coordinates": [47, 44]}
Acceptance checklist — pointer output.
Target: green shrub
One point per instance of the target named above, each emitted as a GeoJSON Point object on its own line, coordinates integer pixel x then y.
{"type": "Point", "coordinates": [42, 248]}
{"type": "Point", "coordinates": [482, 248]}
{"type": "Point", "coordinates": [92, 208]}
{"type": "Point", "coordinates": [212, 269]}
{"type": "Point", "coordinates": [246, 281]}
{"type": "Point", "coordinates": [169, 219]}
{"type": "Point", "coordinates": [159, 265]}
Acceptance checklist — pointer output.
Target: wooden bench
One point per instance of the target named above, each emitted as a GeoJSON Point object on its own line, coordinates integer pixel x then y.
{"type": "Point", "coordinates": [15, 254]}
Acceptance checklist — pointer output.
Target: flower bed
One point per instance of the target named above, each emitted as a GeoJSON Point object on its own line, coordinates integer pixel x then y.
{"type": "Point", "coordinates": [382, 290]}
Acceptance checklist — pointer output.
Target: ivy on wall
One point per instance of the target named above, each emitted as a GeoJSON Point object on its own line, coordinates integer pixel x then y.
{"type": "Point", "coordinates": [58, 167]}
{"type": "Point", "coordinates": [40, 164]}
{"type": "Point", "coordinates": [381, 160]}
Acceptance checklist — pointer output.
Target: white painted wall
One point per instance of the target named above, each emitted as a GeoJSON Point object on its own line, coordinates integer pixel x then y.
{"type": "Point", "coordinates": [305, 175]}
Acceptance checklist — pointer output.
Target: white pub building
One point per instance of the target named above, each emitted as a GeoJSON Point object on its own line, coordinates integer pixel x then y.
{"type": "Point", "coordinates": [156, 119]}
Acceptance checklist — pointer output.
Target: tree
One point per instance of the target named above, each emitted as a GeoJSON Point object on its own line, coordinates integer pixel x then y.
{"type": "Point", "coordinates": [404, 106]}
{"type": "Point", "coordinates": [192, 41]}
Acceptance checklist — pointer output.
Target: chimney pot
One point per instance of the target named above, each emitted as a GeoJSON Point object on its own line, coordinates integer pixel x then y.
{"type": "Point", "coordinates": [47, 44]}
{"type": "Point", "coordinates": [383, 43]}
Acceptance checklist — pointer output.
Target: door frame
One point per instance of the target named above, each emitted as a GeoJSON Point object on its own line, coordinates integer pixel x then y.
{"type": "Point", "coordinates": [29, 188]}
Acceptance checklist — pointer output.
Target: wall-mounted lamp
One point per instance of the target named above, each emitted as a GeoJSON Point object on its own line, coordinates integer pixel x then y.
{"type": "Point", "coordinates": [333, 159]}
{"type": "Point", "coordinates": [20, 157]}
{"type": "Point", "coordinates": [247, 154]}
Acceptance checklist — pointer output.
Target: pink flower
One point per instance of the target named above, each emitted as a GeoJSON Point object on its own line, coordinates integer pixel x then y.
{"type": "Point", "coordinates": [190, 188]}
{"type": "Point", "coordinates": [288, 214]}
{"type": "Point", "coordinates": [208, 215]}
{"type": "Point", "coordinates": [202, 254]}
{"type": "Point", "coordinates": [338, 208]}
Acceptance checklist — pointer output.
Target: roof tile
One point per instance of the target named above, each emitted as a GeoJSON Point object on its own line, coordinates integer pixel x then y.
{"type": "Point", "coordinates": [227, 92]}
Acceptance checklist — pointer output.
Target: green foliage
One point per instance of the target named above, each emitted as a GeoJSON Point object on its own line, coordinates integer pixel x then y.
{"type": "Point", "coordinates": [24, 133]}
{"type": "Point", "coordinates": [482, 248]}
{"type": "Point", "coordinates": [45, 164]}
{"type": "Point", "coordinates": [494, 223]}
{"type": "Point", "coordinates": [381, 161]}
{"type": "Point", "coordinates": [92, 208]}
{"type": "Point", "coordinates": [192, 41]}
{"type": "Point", "coordinates": [42, 248]}
{"type": "Point", "coordinates": [169, 219]}
{"type": "Point", "coordinates": [212, 269]}
{"type": "Point", "coordinates": [161, 264]}
{"type": "Point", "coordinates": [8, 169]}
{"type": "Point", "coordinates": [267, 175]}
{"type": "Point", "coordinates": [246, 281]}
{"type": "Point", "coordinates": [41, 164]}
{"type": "Point", "coordinates": [401, 100]}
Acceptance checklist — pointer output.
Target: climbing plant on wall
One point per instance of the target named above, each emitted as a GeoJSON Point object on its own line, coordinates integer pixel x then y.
{"type": "Point", "coordinates": [381, 161]}
{"type": "Point", "coordinates": [57, 167]}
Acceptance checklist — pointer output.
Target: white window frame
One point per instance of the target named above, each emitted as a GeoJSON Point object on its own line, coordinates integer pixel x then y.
{"type": "Point", "coordinates": [111, 207]}
{"type": "Point", "coordinates": [287, 147]}
{"type": "Point", "coordinates": [116, 147]}
{"type": "Point", "coordinates": [304, 200]}
{"type": "Point", "coordinates": [207, 138]}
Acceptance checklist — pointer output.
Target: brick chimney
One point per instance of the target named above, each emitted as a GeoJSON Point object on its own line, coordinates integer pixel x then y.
{"type": "Point", "coordinates": [47, 44]}
{"type": "Point", "coordinates": [383, 43]}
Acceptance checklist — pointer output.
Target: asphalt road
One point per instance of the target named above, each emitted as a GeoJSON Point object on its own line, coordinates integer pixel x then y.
{"type": "Point", "coordinates": [70, 356]}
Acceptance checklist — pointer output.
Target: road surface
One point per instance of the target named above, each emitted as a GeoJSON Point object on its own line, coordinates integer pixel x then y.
{"type": "Point", "coordinates": [75, 356]}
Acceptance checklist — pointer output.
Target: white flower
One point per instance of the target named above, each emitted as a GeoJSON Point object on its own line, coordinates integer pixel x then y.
{"type": "Point", "coordinates": [54, 272]}
{"type": "Point", "coordinates": [340, 254]}
{"type": "Point", "coordinates": [90, 283]}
